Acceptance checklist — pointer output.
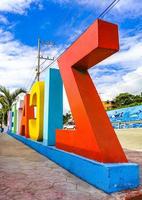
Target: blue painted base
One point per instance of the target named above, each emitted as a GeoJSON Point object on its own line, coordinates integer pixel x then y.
{"type": "Point", "coordinates": [107, 177]}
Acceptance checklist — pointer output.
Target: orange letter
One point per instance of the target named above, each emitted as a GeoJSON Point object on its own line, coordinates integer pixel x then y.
{"type": "Point", "coordinates": [94, 136]}
{"type": "Point", "coordinates": [28, 113]}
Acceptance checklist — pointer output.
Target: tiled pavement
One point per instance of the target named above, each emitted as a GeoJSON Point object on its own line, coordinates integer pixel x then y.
{"type": "Point", "coordinates": [27, 175]}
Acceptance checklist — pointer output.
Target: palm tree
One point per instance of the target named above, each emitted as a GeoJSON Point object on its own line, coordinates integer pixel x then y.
{"type": "Point", "coordinates": [67, 117]}
{"type": "Point", "coordinates": [6, 100]}
{"type": "Point", "coordinates": [3, 112]}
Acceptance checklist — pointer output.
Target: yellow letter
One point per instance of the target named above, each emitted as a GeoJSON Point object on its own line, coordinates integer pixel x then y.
{"type": "Point", "coordinates": [37, 100]}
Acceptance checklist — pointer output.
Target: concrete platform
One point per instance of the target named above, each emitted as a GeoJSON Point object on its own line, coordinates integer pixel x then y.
{"type": "Point", "coordinates": [25, 174]}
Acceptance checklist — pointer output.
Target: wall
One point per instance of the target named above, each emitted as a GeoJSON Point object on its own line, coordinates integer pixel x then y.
{"type": "Point", "coordinates": [131, 115]}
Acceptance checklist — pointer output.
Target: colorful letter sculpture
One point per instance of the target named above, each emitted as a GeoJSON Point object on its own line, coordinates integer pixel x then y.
{"type": "Point", "coordinates": [19, 114]}
{"type": "Point", "coordinates": [37, 100]}
{"type": "Point", "coordinates": [27, 114]}
{"type": "Point", "coordinates": [14, 118]}
{"type": "Point", "coordinates": [9, 120]}
{"type": "Point", "coordinates": [92, 151]}
{"type": "Point", "coordinates": [94, 136]}
{"type": "Point", "coordinates": [53, 108]}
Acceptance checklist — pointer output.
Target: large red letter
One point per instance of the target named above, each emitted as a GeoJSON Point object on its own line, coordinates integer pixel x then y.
{"type": "Point", "coordinates": [28, 113]}
{"type": "Point", "coordinates": [94, 136]}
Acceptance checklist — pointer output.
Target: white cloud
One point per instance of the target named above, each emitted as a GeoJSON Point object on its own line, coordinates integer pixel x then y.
{"type": "Point", "coordinates": [127, 8]}
{"type": "Point", "coordinates": [131, 82]}
{"type": "Point", "coordinates": [121, 72]}
{"type": "Point", "coordinates": [125, 67]}
{"type": "Point", "coordinates": [17, 61]}
{"type": "Point", "coordinates": [16, 6]}
{"type": "Point", "coordinates": [3, 20]}
{"type": "Point", "coordinates": [5, 36]}
{"type": "Point", "coordinates": [126, 75]}
{"type": "Point", "coordinates": [129, 55]}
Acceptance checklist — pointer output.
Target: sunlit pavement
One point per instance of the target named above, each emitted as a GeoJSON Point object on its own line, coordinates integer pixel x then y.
{"type": "Point", "coordinates": [130, 138]}
{"type": "Point", "coordinates": [27, 175]}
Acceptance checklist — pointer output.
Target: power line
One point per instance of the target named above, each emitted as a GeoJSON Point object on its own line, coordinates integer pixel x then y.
{"type": "Point", "coordinates": [58, 54]}
{"type": "Point", "coordinates": [33, 81]}
{"type": "Point", "coordinates": [102, 14]}
{"type": "Point", "coordinates": [63, 21]}
{"type": "Point", "coordinates": [112, 5]}
{"type": "Point", "coordinates": [68, 14]}
{"type": "Point", "coordinates": [46, 59]}
{"type": "Point", "coordinates": [28, 81]}
{"type": "Point", "coordinates": [49, 64]}
{"type": "Point", "coordinates": [41, 57]}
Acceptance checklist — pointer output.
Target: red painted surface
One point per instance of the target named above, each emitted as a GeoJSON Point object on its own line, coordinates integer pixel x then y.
{"type": "Point", "coordinates": [94, 136]}
{"type": "Point", "coordinates": [28, 113]}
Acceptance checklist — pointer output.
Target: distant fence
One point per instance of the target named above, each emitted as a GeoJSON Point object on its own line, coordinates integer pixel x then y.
{"type": "Point", "coordinates": [126, 117]}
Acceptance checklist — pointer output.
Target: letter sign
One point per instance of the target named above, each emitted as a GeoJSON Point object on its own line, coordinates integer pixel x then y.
{"type": "Point", "coordinates": [94, 136]}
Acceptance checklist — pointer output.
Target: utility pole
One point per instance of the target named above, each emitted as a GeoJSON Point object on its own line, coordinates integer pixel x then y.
{"type": "Point", "coordinates": [38, 65]}
{"type": "Point", "coordinates": [41, 57]}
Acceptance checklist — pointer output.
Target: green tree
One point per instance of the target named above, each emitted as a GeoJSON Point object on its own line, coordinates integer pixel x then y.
{"type": "Point", "coordinates": [137, 99]}
{"type": "Point", "coordinates": [66, 117]}
{"type": "Point", "coordinates": [7, 99]}
{"type": "Point", "coordinates": [127, 99]}
{"type": "Point", "coordinates": [124, 99]}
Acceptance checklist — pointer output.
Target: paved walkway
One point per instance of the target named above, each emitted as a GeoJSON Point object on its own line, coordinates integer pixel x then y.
{"type": "Point", "coordinates": [27, 175]}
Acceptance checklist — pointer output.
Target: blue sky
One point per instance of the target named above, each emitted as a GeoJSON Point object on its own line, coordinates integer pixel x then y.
{"type": "Point", "coordinates": [62, 21]}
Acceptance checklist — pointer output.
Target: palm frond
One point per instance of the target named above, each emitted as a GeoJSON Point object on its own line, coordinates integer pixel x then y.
{"type": "Point", "coordinates": [4, 91]}
{"type": "Point", "coordinates": [7, 98]}
{"type": "Point", "coordinates": [5, 106]}
{"type": "Point", "coordinates": [16, 93]}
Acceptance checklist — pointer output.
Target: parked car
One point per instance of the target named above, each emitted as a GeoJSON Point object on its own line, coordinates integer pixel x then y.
{"type": "Point", "coordinates": [69, 125]}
